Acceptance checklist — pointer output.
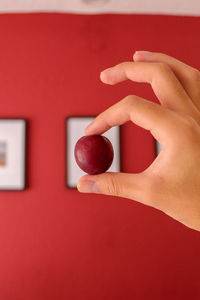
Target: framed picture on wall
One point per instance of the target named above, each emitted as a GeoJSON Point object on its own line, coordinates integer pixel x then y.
{"type": "Point", "coordinates": [74, 131]}
{"type": "Point", "coordinates": [12, 154]}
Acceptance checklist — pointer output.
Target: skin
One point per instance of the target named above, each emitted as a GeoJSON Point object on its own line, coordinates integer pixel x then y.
{"type": "Point", "coordinates": [172, 181]}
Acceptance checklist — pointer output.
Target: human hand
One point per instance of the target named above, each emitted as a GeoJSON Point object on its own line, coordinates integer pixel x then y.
{"type": "Point", "coordinates": [172, 182]}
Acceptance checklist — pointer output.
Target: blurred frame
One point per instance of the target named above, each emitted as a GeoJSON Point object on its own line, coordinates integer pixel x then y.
{"type": "Point", "coordinates": [12, 154]}
{"type": "Point", "coordinates": [75, 126]}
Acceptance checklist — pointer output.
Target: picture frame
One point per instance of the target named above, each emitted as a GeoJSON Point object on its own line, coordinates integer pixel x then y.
{"type": "Point", "coordinates": [12, 154]}
{"type": "Point", "coordinates": [74, 126]}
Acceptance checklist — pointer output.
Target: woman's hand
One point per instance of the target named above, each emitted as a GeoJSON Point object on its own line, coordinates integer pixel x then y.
{"type": "Point", "coordinates": [172, 182]}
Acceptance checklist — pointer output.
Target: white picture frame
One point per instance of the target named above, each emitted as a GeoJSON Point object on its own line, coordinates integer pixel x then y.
{"type": "Point", "coordinates": [12, 154]}
{"type": "Point", "coordinates": [74, 130]}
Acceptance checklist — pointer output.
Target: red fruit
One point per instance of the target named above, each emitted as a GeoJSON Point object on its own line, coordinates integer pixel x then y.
{"type": "Point", "coordinates": [94, 154]}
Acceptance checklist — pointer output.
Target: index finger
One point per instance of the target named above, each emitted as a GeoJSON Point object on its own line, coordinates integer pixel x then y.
{"type": "Point", "coordinates": [161, 122]}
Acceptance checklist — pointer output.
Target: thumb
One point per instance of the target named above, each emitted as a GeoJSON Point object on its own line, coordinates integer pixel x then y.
{"type": "Point", "coordinates": [125, 185]}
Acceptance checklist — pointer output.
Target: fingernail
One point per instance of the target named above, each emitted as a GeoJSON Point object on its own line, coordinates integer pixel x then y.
{"type": "Point", "coordinates": [87, 186]}
{"type": "Point", "coordinates": [143, 52]}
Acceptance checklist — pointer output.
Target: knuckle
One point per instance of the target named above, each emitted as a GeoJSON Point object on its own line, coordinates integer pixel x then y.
{"type": "Point", "coordinates": [125, 64]}
{"type": "Point", "coordinates": [188, 123]}
{"type": "Point", "coordinates": [113, 188]}
{"type": "Point", "coordinates": [189, 129]}
{"type": "Point", "coordinates": [195, 75]}
{"type": "Point", "coordinates": [162, 68]}
{"type": "Point", "coordinates": [129, 100]}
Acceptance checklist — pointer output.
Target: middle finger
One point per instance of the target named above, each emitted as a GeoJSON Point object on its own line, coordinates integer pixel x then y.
{"type": "Point", "coordinates": [165, 84]}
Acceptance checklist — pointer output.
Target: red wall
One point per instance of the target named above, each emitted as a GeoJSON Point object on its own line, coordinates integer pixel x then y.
{"type": "Point", "coordinates": [56, 243]}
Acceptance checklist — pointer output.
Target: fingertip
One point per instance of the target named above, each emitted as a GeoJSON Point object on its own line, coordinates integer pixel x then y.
{"type": "Point", "coordinates": [103, 77]}
{"type": "Point", "coordinates": [86, 131]}
{"type": "Point", "coordinates": [108, 76]}
{"type": "Point", "coordinates": [86, 184]}
{"type": "Point", "coordinates": [81, 179]}
{"type": "Point", "coordinates": [89, 129]}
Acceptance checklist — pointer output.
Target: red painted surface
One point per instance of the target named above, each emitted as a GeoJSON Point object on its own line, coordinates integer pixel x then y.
{"type": "Point", "coordinates": [56, 243]}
